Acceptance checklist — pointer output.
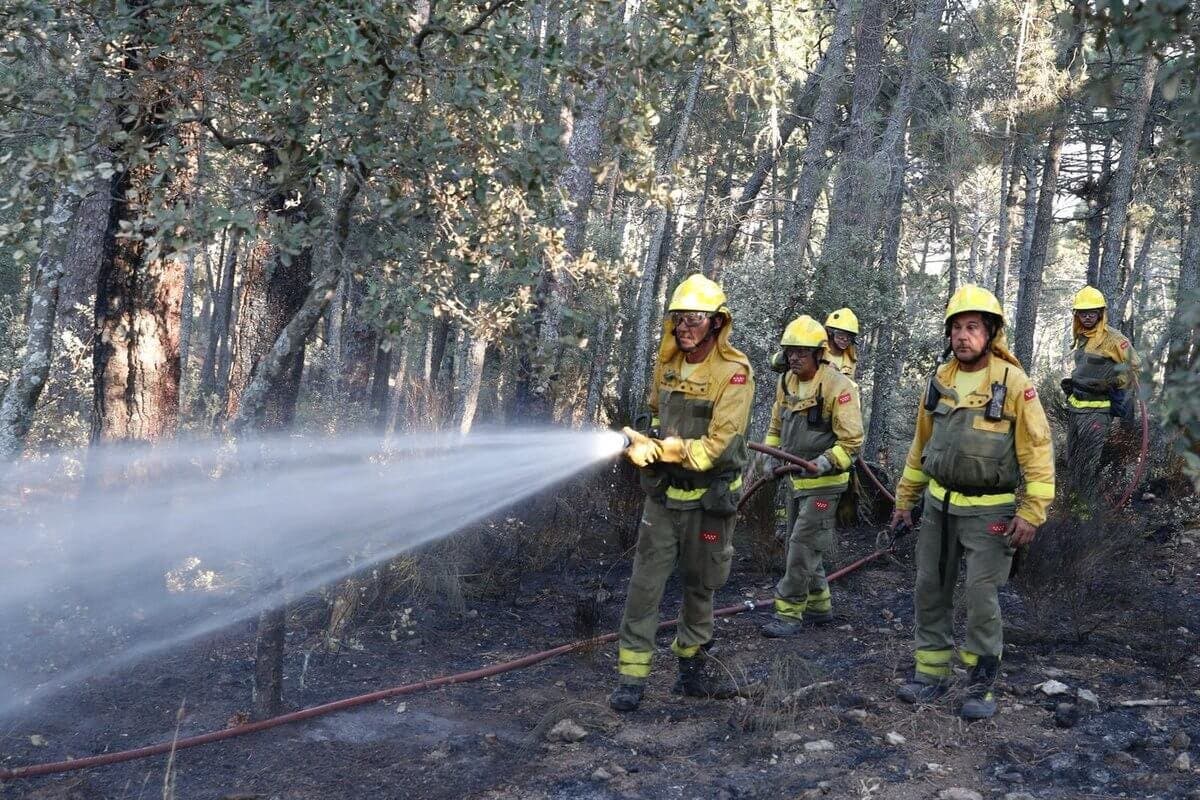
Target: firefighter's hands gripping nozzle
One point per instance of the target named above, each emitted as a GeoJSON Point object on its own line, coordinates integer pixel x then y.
{"type": "Point", "coordinates": [640, 448]}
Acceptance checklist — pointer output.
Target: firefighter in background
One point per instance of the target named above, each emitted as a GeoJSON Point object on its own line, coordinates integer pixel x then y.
{"type": "Point", "coordinates": [981, 432]}
{"type": "Point", "coordinates": [1099, 388]}
{"type": "Point", "coordinates": [816, 416]}
{"type": "Point", "coordinates": [691, 472]}
{"type": "Point", "coordinates": [841, 328]}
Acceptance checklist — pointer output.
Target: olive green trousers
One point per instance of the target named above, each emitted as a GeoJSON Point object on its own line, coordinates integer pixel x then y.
{"type": "Point", "coordinates": [976, 536]}
{"type": "Point", "coordinates": [812, 520]}
{"type": "Point", "coordinates": [1087, 431]}
{"type": "Point", "coordinates": [702, 545]}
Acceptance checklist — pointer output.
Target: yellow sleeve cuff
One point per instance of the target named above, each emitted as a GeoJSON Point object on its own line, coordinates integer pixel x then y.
{"type": "Point", "coordinates": [699, 455]}
{"type": "Point", "coordinates": [1040, 489]}
{"type": "Point", "coordinates": [772, 440]}
{"type": "Point", "coordinates": [840, 457]}
{"type": "Point", "coordinates": [917, 476]}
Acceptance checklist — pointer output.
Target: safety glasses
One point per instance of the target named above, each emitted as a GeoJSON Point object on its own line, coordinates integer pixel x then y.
{"type": "Point", "coordinates": [690, 319]}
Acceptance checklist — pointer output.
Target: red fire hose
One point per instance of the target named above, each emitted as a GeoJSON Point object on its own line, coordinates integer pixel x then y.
{"type": "Point", "coordinates": [72, 765]}
{"type": "Point", "coordinates": [34, 770]}
{"type": "Point", "coordinates": [1142, 456]}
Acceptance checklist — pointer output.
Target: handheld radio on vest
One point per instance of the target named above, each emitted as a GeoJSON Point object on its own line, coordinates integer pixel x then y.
{"type": "Point", "coordinates": [994, 412]}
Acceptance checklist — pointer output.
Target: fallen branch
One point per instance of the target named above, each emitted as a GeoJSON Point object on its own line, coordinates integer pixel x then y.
{"type": "Point", "coordinates": [805, 691]}
{"type": "Point", "coordinates": [1153, 703]}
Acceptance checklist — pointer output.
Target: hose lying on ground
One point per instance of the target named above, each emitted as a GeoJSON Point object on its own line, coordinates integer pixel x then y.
{"type": "Point", "coordinates": [793, 464]}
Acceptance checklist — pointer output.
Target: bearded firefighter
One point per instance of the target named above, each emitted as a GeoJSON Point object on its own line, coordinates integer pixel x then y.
{"type": "Point", "coordinates": [816, 416]}
{"type": "Point", "coordinates": [1099, 388]}
{"type": "Point", "coordinates": [981, 432]}
{"type": "Point", "coordinates": [691, 467]}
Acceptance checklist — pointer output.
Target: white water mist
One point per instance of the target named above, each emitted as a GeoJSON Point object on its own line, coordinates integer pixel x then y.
{"type": "Point", "coordinates": [84, 588]}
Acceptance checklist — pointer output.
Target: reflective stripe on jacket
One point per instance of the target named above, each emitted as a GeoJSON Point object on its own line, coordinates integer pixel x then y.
{"type": "Point", "coordinates": [1104, 360]}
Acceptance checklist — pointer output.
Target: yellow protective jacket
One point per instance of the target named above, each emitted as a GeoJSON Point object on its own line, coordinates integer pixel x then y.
{"type": "Point", "coordinates": [837, 434]}
{"type": "Point", "coordinates": [1016, 447]}
{"type": "Point", "coordinates": [1103, 360]}
{"type": "Point", "coordinates": [846, 363]}
{"type": "Point", "coordinates": [709, 410]}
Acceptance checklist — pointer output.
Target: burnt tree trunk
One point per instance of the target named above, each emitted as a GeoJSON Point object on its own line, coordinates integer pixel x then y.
{"type": "Point", "coordinates": [135, 361]}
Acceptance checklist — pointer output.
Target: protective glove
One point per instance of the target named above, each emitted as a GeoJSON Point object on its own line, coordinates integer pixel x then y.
{"type": "Point", "coordinates": [762, 464]}
{"type": "Point", "coordinates": [1066, 386]}
{"type": "Point", "coordinates": [673, 450]}
{"type": "Point", "coordinates": [823, 464]}
{"type": "Point", "coordinates": [642, 450]}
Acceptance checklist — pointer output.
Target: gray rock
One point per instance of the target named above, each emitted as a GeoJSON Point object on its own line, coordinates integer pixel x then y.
{"type": "Point", "coordinates": [566, 730]}
{"type": "Point", "coordinates": [1060, 762]}
{"type": "Point", "coordinates": [1121, 758]}
{"type": "Point", "coordinates": [958, 793]}
{"type": "Point", "coordinates": [786, 738]}
{"type": "Point", "coordinates": [601, 774]}
{"type": "Point", "coordinates": [894, 738]}
{"type": "Point", "coordinates": [1066, 715]}
{"type": "Point", "coordinates": [1181, 741]}
{"type": "Point", "coordinates": [1019, 796]}
{"type": "Point", "coordinates": [1053, 688]}
{"type": "Point", "coordinates": [1088, 698]}
{"type": "Point", "coordinates": [1183, 763]}
{"type": "Point", "coordinates": [819, 746]}
{"type": "Point", "coordinates": [856, 715]}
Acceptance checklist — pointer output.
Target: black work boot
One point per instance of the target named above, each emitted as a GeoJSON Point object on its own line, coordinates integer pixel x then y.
{"type": "Point", "coordinates": [818, 617]}
{"type": "Point", "coordinates": [921, 688]}
{"type": "Point", "coordinates": [626, 697]}
{"type": "Point", "coordinates": [782, 627]}
{"type": "Point", "coordinates": [694, 681]}
{"type": "Point", "coordinates": [981, 697]}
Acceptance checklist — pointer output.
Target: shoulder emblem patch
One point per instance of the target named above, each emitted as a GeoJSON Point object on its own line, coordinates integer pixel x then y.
{"type": "Point", "coordinates": [997, 527]}
{"type": "Point", "coordinates": [738, 379]}
{"type": "Point", "coordinates": [1124, 344]}
{"type": "Point", "coordinates": [843, 398]}
{"type": "Point", "coordinates": [712, 537]}
{"type": "Point", "coordinates": [821, 505]}
{"type": "Point", "coordinates": [1030, 393]}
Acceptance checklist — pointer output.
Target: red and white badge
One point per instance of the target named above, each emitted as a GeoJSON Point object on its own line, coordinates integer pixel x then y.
{"type": "Point", "coordinates": [712, 537]}
{"type": "Point", "coordinates": [997, 527]}
{"type": "Point", "coordinates": [1030, 393]}
{"type": "Point", "coordinates": [738, 379]}
{"type": "Point", "coordinates": [821, 505]}
{"type": "Point", "coordinates": [843, 398]}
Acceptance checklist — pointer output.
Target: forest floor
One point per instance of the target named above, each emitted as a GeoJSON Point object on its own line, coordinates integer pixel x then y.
{"type": "Point", "coordinates": [820, 720]}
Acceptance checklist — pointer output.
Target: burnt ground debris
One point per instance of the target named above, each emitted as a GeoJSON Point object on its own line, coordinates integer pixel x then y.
{"type": "Point", "coordinates": [833, 686]}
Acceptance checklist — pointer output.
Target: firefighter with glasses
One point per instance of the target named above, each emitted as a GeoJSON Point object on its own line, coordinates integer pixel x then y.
{"type": "Point", "coordinates": [691, 463]}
